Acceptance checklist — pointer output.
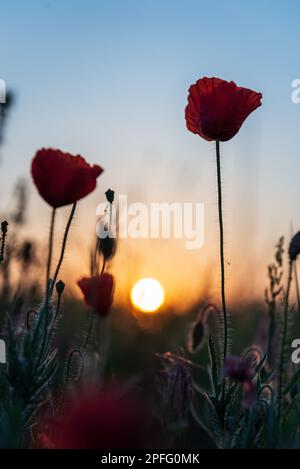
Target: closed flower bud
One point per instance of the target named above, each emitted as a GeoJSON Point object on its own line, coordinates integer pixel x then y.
{"type": "Point", "coordinates": [110, 195]}
{"type": "Point", "coordinates": [196, 336]}
{"type": "Point", "coordinates": [4, 226]}
{"type": "Point", "coordinates": [294, 248]}
{"type": "Point", "coordinates": [60, 286]}
{"type": "Point", "coordinates": [107, 247]}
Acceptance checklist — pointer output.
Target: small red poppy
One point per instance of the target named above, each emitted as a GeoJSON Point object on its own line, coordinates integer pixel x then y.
{"type": "Point", "coordinates": [62, 178]}
{"type": "Point", "coordinates": [98, 292]}
{"type": "Point", "coordinates": [217, 108]}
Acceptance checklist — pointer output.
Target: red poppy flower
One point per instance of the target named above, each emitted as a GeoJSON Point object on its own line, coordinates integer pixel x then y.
{"type": "Point", "coordinates": [238, 368]}
{"type": "Point", "coordinates": [62, 178]}
{"type": "Point", "coordinates": [241, 370]}
{"type": "Point", "coordinates": [217, 108]}
{"type": "Point", "coordinates": [101, 419]}
{"type": "Point", "coordinates": [98, 292]}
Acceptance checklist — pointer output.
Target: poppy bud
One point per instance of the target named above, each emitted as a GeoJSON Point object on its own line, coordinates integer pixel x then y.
{"type": "Point", "coordinates": [294, 248]}
{"type": "Point", "coordinates": [107, 247]}
{"type": "Point", "coordinates": [4, 226]}
{"type": "Point", "coordinates": [196, 336]}
{"type": "Point", "coordinates": [110, 195]}
{"type": "Point", "coordinates": [60, 286]}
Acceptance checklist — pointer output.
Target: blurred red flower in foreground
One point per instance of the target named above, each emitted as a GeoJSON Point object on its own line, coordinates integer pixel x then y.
{"type": "Point", "coordinates": [241, 369]}
{"type": "Point", "coordinates": [217, 108]}
{"type": "Point", "coordinates": [62, 178]}
{"type": "Point", "coordinates": [102, 419]}
{"type": "Point", "coordinates": [98, 292]}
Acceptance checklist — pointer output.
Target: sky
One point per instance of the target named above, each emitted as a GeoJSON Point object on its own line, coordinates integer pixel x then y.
{"type": "Point", "coordinates": [109, 80]}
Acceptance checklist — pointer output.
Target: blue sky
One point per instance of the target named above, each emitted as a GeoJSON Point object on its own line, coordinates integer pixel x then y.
{"type": "Point", "coordinates": [109, 80]}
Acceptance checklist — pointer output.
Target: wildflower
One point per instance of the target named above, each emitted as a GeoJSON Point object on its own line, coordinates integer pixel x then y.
{"type": "Point", "coordinates": [62, 178]}
{"type": "Point", "coordinates": [294, 248]}
{"type": "Point", "coordinates": [239, 369]}
{"type": "Point", "coordinates": [217, 108]}
{"type": "Point", "coordinates": [98, 292]}
{"type": "Point", "coordinates": [242, 371]}
{"type": "Point", "coordinates": [103, 419]}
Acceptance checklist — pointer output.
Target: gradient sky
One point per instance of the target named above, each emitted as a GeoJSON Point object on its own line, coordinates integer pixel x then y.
{"type": "Point", "coordinates": [109, 80]}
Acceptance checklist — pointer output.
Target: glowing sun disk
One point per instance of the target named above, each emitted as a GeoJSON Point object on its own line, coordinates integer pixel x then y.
{"type": "Point", "coordinates": [147, 295]}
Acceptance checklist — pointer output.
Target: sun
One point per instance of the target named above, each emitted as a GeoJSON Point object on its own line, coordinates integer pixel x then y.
{"type": "Point", "coordinates": [147, 295]}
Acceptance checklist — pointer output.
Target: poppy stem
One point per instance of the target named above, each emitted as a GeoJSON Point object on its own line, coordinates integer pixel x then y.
{"type": "Point", "coordinates": [296, 274]}
{"type": "Point", "coordinates": [103, 267]}
{"type": "Point", "coordinates": [225, 317]}
{"type": "Point", "coordinates": [73, 352]}
{"type": "Point", "coordinates": [89, 331]}
{"type": "Point", "coordinates": [54, 320]}
{"type": "Point", "coordinates": [297, 285]}
{"type": "Point", "coordinates": [283, 340]}
{"type": "Point", "coordinates": [63, 248]}
{"type": "Point", "coordinates": [50, 249]}
{"type": "Point", "coordinates": [4, 225]}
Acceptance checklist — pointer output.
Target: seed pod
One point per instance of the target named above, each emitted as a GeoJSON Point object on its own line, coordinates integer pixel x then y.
{"type": "Point", "coordinates": [294, 248]}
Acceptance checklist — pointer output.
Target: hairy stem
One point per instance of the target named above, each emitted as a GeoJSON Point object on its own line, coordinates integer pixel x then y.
{"type": "Point", "coordinates": [225, 316]}
{"type": "Point", "coordinates": [297, 285]}
{"type": "Point", "coordinates": [50, 249]}
{"type": "Point", "coordinates": [63, 248]}
{"type": "Point", "coordinates": [283, 340]}
{"type": "Point", "coordinates": [89, 331]}
{"type": "Point", "coordinates": [103, 267]}
{"type": "Point", "coordinates": [73, 352]}
{"type": "Point", "coordinates": [54, 320]}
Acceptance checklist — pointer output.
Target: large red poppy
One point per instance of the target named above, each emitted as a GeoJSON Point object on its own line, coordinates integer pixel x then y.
{"type": "Point", "coordinates": [62, 178]}
{"type": "Point", "coordinates": [108, 418]}
{"type": "Point", "coordinates": [98, 292]}
{"type": "Point", "coordinates": [217, 108]}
